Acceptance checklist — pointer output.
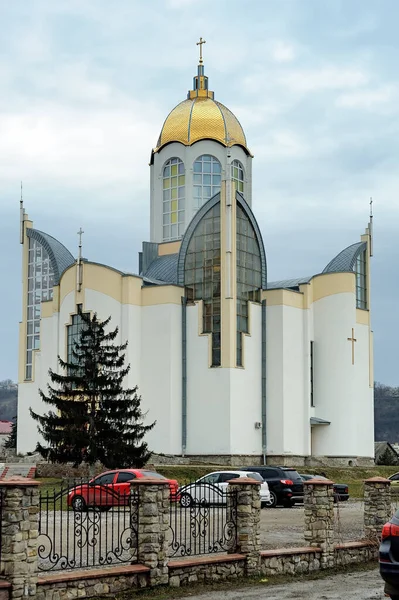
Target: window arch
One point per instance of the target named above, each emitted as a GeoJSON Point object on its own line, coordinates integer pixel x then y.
{"type": "Point", "coordinates": [206, 179]}
{"type": "Point", "coordinates": [361, 280]}
{"type": "Point", "coordinates": [249, 275]}
{"type": "Point", "coordinates": [173, 183]}
{"type": "Point", "coordinates": [237, 175]}
{"type": "Point", "coordinates": [40, 289]}
{"type": "Point", "coordinates": [202, 275]}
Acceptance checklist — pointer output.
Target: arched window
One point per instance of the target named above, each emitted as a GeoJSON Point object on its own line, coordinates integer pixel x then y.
{"type": "Point", "coordinates": [40, 288]}
{"type": "Point", "coordinates": [173, 199]}
{"type": "Point", "coordinates": [249, 275]}
{"type": "Point", "coordinates": [202, 275]}
{"type": "Point", "coordinates": [207, 179]}
{"type": "Point", "coordinates": [361, 280]}
{"type": "Point", "coordinates": [237, 175]}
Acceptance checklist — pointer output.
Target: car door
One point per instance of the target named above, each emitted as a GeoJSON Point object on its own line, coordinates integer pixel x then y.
{"type": "Point", "coordinates": [122, 485]}
{"type": "Point", "coordinates": [223, 483]}
{"type": "Point", "coordinates": [394, 479]}
{"type": "Point", "coordinates": [100, 490]}
{"type": "Point", "coordinates": [206, 489]}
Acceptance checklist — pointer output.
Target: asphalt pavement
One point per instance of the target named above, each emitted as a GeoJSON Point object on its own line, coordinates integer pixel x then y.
{"type": "Point", "coordinates": [363, 585]}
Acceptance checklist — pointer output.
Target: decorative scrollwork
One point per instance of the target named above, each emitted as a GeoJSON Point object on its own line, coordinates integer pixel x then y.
{"type": "Point", "coordinates": [95, 536]}
{"type": "Point", "coordinates": [206, 528]}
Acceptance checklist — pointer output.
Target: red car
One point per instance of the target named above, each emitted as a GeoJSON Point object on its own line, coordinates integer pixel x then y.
{"type": "Point", "coordinates": [112, 488]}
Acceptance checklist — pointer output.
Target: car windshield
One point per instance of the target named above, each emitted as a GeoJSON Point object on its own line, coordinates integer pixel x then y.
{"type": "Point", "coordinates": [153, 474]}
{"type": "Point", "coordinates": [291, 474]}
{"type": "Point", "coordinates": [255, 476]}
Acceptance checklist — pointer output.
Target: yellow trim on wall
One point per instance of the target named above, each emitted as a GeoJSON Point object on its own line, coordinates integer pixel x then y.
{"type": "Point", "coordinates": [47, 309]}
{"type": "Point", "coordinates": [362, 316]}
{"type": "Point", "coordinates": [67, 284]}
{"type": "Point", "coordinates": [161, 294]}
{"type": "Point", "coordinates": [329, 284]}
{"type": "Point", "coordinates": [168, 248]}
{"type": "Point", "coordinates": [284, 298]}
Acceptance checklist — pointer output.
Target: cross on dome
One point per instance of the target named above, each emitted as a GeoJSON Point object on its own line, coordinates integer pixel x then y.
{"type": "Point", "coordinates": [201, 41]}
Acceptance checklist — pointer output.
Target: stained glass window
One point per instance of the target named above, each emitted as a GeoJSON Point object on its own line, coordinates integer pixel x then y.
{"type": "Point", "coordinates": [207, 179]}
{"type": "Point", "coordinates": [249, 275]}
{"type": "Point", "coordinates": [173, 199]}
{"type": "Point", "coordinates": [40, 288]}
{"type": "Point", "coordinates": [237, 175]}
{"type": "Point", "coordinates": [361, 280]}
{"type": "Point", "coordinates": [202, 276]}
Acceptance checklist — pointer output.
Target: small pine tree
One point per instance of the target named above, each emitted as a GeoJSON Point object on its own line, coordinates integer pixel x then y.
{"type": "Point", "coordinates": [11, 441]}
{"type": "Point", "coordinates": [94, 418]}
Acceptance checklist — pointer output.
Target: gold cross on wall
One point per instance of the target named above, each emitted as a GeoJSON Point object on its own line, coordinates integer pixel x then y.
{"type": "Point", "coordinates": [200, 45]}
{"type": "Point", "coordinates": [353, 340]}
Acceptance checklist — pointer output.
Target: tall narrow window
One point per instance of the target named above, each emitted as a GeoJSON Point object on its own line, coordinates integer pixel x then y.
{"type": "Point", "coordinates": [40, 288]}
{"type": "Point", "coordinates": [173, 199]}
{"type": "Point", "coordinates": [237, 175]}
{"type": "Point", "coordinates": [311, 373]}
{"type": "Point", "coordinates": [249, 275]}
{"type": "Point", "coordinates": [207, 179]}
{"type": "Point", "coordinates": [202, 275]}
{"type": "Point", "coordinates": [74, 330]}
{"type": "Point", "coordinates": [361, 280]}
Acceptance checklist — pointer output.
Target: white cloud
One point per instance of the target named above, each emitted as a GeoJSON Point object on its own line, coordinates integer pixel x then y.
{"type": "Point", "coordinates": [370, 99]}
{"type": "Point", "coordinates": [324, 78]}
{"type": "Point", "coordinates": [282, 52]}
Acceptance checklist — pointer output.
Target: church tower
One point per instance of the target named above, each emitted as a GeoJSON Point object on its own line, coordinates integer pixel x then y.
{"type": "Point", "coordinates": [200, 145]}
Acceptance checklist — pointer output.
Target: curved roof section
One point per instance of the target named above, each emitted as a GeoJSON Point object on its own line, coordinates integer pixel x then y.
{"type": "Point", "coordinates": [201, 118]}
{"type": "Point", "coordinates": [163, 269]}
{"type": "Point", "coordinates": [60, 257]}
{"type": "Point", "coordinates": [288, 283]}
{"type": "Point", "coordinates": [196, 220]}
{"type": "Point", "coordinates": [345, 260]}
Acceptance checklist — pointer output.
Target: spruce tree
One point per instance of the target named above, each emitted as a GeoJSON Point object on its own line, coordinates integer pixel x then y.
{"type": "Point", "coordinates": [93, 417]}
{"type": "Point", "coordinates": [11, 441]}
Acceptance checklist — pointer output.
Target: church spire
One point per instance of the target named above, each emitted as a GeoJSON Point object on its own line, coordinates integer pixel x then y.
{"type": "Point", "coordinates": [200, 84]}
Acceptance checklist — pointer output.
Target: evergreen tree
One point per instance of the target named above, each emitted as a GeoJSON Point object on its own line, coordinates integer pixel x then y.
{"type": "Point", "coordinates": [93, 418]}
{"type": "Point", "coordinates": [11, 441]}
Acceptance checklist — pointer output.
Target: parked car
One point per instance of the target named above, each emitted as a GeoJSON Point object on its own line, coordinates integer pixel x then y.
{"type": "Point", "coordinates": [285, 484]}
{"type": "Point", "coordinates": [394, 479]}
{"type": "Point", "coordinates": [341, 490]}
{"type": "Point", "coordinates": [111, 489]}
{"type": "Point", "coordinates": [211, 489]}
{"type": "Point", "coordinates": [389, 556]}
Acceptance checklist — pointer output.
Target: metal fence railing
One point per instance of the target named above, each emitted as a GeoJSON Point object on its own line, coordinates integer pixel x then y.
{"type": "Point", "coordinates": [86, 524]}
{"type": "Point", "coordinates": [202, 520]}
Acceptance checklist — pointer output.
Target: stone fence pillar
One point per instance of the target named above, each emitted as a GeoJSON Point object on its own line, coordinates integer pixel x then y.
{"type": "Point", "coordinates": [19, 533]}
{"type": "Point", "coordinates": [245, 492]}
{"type": "Point", "coordinates": [377, 506]}
{"type": "Point", "coordinates": [153, 527]}
{"type": "Point", "coordinates": [319, 518]}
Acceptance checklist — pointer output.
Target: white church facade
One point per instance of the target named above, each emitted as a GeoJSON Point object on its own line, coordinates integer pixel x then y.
{"type": "Point", "coordinates": [233, 368]}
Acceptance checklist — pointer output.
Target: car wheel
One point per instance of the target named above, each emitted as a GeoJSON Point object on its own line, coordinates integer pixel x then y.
{"type": "Point", "coordinates": [79, 504]}
{"type": "Point", "coordinates": [186, 500]}
{"type": "Point", "coordinates": [273, 500]}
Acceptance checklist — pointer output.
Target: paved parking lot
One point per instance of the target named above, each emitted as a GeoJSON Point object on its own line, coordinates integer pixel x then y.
{"type": "Point", "coordinates": [283, 527]}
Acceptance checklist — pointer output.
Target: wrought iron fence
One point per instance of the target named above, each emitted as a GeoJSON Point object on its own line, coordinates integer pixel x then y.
{"type": "Point", "coordinates": [1, 519]}
{"type": "Point", "coordinates": [87, 525]}
{"type": "Point", "coordinates": [203, 520]}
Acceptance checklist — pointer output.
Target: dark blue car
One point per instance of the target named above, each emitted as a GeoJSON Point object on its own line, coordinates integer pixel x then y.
{"type": "Point", "coordinates": [389, 556]}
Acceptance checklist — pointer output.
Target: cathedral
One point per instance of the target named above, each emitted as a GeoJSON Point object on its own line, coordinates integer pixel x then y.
{"type": "Point", "coordinates": [234, 368]}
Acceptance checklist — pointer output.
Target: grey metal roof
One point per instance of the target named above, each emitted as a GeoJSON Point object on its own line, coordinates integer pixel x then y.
{"type": "Point", "coordinates": [288, 283]}
{"type": "Point", "coordinates": [60, 257]}
{"type": "Point", "coordinates": [163, 269]}
{"type": "Point", "coordinates": [345, 260]}
{"type": "Point", "coordinates": [317, 421]}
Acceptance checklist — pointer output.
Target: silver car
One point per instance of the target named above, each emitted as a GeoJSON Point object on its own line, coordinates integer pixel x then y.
{"type": "Point", "coordinates": [212, 488]}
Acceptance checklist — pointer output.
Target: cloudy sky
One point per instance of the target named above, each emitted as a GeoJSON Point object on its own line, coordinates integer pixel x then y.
{"type": "Point", "coordinates": [85, 87]}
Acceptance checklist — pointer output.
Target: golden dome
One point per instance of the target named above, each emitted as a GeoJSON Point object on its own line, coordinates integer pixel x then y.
{"type": "Point", "coordinates": [201, 117]}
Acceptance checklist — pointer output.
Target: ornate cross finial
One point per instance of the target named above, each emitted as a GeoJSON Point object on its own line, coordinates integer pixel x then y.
{"type": "Point", "coordinates": [80, 233]}
{"type": "Point", "coordinates": [201, 41]}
